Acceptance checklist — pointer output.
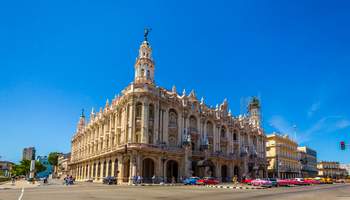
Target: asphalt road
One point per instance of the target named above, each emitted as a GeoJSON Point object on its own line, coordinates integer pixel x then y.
{"type": "Point", "coordinates": [105, 192]}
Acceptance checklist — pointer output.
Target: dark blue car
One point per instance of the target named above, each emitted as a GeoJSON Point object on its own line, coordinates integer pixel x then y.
{"type": "Point", "coordinates": [191, 181]}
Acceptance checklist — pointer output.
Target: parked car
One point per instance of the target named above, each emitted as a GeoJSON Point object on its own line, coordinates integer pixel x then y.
{"type": "Point", "coordinates": [325, 180]}
{"type": "Point", "coordinates": [247, 181]}
{"type": "Point", "coordinates": [262, 183]}
{"type": "Point", "coordinates": [273, 181]}
{"type": "Point", "coordinates": [311, 181]}
{"type": "Point", "coordinates": [340, 181]}
{"type": "Point", "coordinates": [110, 180]}
{"type": "Point", "coordinates": [191, 180]}
{"type": "Point", "coordinates": [300, 181]}
{"type": "Point", "coordinates": [208, 181]}
{"type": "Point", "coordinates": [284, 182]}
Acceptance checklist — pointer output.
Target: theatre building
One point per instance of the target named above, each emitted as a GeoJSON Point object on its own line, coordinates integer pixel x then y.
{"type": "Point", "coordinates": [149, 130]}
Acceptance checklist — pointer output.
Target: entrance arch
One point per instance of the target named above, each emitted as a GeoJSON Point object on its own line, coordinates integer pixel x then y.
{"type": "Point", "coordinates": [224, 177]}
{"type": "Point", "coordinates": [236, 171]}
{"type": "Point", "coordinates": [98, 170]}
{"type": "Point", "coordinates": [104, 169]}
{"type": "Point", "coordinates": [116, 168]}
{"type": "Point", "coordinates": [126, 170]}
{"type": "Point", "coordinates": [147, 170]}
{"type": "Point", "coordinates": [172, 170]}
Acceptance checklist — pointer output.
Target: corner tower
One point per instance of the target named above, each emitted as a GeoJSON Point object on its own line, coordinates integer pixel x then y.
{"type": "Point", "coordinates": [254, 111]}
{"type": "Point", "coordinates": [144, 66]}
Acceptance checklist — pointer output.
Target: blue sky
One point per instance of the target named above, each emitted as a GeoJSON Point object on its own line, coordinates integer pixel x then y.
{"type": "Point", "coordinates": [57, 57]}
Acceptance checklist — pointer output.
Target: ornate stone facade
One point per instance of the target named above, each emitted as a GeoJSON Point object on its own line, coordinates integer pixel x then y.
{"type": "Point", "coordinates": [149, 130]}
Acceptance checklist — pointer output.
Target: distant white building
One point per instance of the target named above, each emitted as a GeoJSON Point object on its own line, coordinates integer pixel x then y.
{"type": "Point", "coordinates": [346, 167]}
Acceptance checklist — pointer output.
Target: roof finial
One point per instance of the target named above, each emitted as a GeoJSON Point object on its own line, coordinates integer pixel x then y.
{"type": "Point", "coordinates": [82, 113]}
{"type": "Point", "coordinates": [146, 32]}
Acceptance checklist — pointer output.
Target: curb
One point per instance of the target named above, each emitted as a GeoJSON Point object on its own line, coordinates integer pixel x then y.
{"type": "Point", "coordinates": [236, 187]}
{"type": "Point", "coordinates": [146, 184]}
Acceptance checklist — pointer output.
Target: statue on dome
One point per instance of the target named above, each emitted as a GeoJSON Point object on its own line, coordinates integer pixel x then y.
{"type": "Point", "coordinates": [146, 32]}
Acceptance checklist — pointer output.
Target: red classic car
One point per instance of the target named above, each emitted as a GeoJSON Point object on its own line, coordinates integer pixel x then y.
{"type": "Point", "coordinates": [284, 182]}
{"type": "Point", "coordinates": [247, 181]}
{"type": "Point", "coordinates": [208, 181]}
{"type": "Point", "coordinates": [312, 181]}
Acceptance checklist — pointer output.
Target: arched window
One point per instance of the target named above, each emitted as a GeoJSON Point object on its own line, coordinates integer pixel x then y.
{"type": "Point", "coordinates": [223, 132]}
{"type": "Point", "coordinates": [193, 123]}
{"type": "Point", "coordinates": [173, 128]}
{"type": "Point", "coordinates": [234, 135]}
{"type": "Point", "coordinates": [172, 118]}
{"type": "Point", "coordinates": [210, 129]}
{"type": "Point", "coordinates": [138, 110]}
{"type": "Point", "coordinates": [142, 72]}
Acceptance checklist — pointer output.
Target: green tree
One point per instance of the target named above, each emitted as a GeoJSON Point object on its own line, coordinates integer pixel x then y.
{"type": "Point", "coordinates": [39, 167]}
{"type": "Point", "coordinates": [23, 168]}
{"type": "Point", "coordinates": [53, 158]}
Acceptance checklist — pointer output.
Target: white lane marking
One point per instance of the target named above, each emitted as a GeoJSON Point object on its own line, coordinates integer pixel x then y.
{"type": "Point", "coordinates": [20, 197]}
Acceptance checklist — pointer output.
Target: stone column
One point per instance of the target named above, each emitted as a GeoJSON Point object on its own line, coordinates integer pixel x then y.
{"type": "Point", "coordinates": [165, 123]}
{"type": "Point", "coordinates": [120, 175]}
{"type": "Point", "coordinates": [107, 167]}
{"type": "Point", "coordinates": [101, 170]}
{"type": "Point", "coordinates": [133, 167]}
{"type": "Point", "coordinates": [179, 129]}
{"type": "Point", "coordinates": [159, 167]}
{"type": "Point", "coordinates": [112, 168]}
{"type": "Point", "coordinates": [144, 123]}
{"type": "Point", "coordinates": [131, 120]}
{"type": "Point", "coordinates": [156, 123]}
{"type": "Point", "coordinates": [125, 124]}
{"type": "Point", "coordinates": [187, 160]}
{"type": "Point", "coordinates": [215, 138]}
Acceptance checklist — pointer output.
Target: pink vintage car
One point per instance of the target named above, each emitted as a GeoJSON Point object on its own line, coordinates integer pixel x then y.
{"type": "Point", "coordinates": [262, 183]}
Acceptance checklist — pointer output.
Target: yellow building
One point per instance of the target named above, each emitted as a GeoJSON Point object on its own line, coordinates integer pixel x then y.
{"type": "Point", "coordinates": [331, 170]}
{"type": "Point", "coordinates": [282, 156]}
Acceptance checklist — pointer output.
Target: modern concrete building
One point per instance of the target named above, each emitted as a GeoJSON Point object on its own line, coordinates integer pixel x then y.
{"type": "Point", "coordinates": [282, 156]}
{"type": "Point", "coordinates": [331, 169]}
{"type": "Point", "coordinates": [308, 161]}
{"type": "Point", "coordinates": [28, 153]}
{"type": "Point", "coordinates": [149, 130]}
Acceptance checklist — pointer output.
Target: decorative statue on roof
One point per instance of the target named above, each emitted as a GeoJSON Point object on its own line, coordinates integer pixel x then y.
{"type": "Point", "coordinates": [146, 32]}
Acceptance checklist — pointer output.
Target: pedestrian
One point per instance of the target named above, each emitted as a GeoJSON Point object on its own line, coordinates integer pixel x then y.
{"type": "Point", "coordinates": [173, 180]}
{"type": "Point", "coordinates": [134, 180]}
{"type": "Point", "coordinates": [153, 179]}
{"type": "Point", "coordinates": [13, 179]}
{"type": "Point", "coordinates": [234, 180]}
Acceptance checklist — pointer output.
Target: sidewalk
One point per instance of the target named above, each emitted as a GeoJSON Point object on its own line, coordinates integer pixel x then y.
{"type": "Point", "coordinates": [18, 185]}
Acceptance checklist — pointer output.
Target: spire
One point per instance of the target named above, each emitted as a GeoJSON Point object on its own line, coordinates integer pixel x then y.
{"type": "Point", "coordinates": [173, 90]}
{"type": "Point", "coordinates": [81, 123]}
{"type": "Point", "coordinates": [144, 66]}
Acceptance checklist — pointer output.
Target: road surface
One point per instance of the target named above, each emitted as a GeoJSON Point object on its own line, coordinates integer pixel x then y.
{"type": "Point", "coordinates": [90, 191]}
